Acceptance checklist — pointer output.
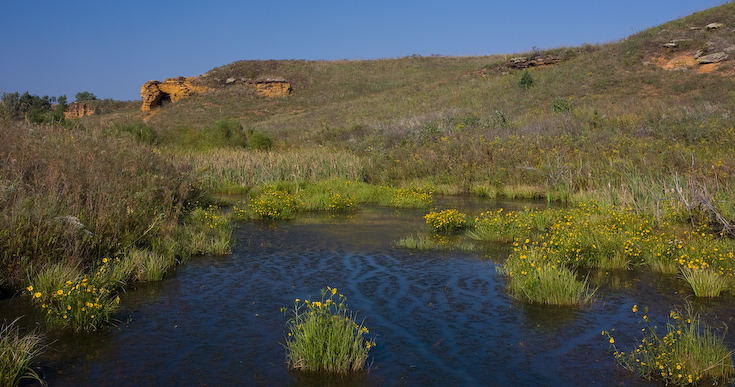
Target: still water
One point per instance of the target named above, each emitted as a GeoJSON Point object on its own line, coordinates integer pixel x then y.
{"type": "Point", "coordinates": [439, 318]}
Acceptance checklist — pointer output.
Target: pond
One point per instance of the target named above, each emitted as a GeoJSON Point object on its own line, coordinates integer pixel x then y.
{"type": "Point", "coordinates": [439, 318]}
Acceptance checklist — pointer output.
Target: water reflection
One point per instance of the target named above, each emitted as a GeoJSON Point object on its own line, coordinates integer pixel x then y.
{"type": "Point", "coordinates": [441, 318]}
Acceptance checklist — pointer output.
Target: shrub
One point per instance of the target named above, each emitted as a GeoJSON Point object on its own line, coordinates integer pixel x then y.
{"type": "Point", "coordinates": [688, 353]}
{"type": "Point", "coordinates": [560, 105]}
{"type": "Point", "coordinates": [446, 220]}
{"type": "Point", "coordinates": [260, 141]}
{"type": "Point", "coordinates": [325, 336]}
{"type": "Point", "coordinates": [16, 354]}
{"type": "Point", "coordinates": [526, 80]}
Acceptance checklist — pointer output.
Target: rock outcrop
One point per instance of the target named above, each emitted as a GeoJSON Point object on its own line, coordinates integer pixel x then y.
{"type": "Point", "coordinates": [522, 62]}
{"type": "Point", "coordinates": [271, 88]}
{"type": "Point", "coordinates": [78, 110]}
{"type": "Point", "coordinates": [156, 93]}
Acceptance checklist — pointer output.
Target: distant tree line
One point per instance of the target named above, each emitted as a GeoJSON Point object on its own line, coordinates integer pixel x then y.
{"type": "Point", "coordinates": [33, 108]}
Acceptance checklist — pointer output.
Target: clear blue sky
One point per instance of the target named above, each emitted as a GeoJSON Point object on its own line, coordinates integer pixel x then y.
{"type": "Point", "coordinates": [110, 48]}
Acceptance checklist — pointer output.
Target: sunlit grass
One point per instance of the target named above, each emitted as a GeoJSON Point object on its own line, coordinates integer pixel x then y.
{"type": "Point", "coordinates": [325, 335]}
{"type": "Point", "coordinates": [687, 353]}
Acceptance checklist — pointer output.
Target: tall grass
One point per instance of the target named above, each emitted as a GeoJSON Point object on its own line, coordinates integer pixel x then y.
{"type": "Point", "coordinates": [533, 278]}
{"type": "Point", "coordinates": [17, 352]}
{"type": "Point", "coordinates": [224, 170]}
{"type": "Point", "coordinates": [687, 353]}
{"type": "Point", "coordinates": [325, 336]}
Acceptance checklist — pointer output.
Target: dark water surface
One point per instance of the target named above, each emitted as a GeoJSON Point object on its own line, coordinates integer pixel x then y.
{"type": "Point", "coordinates": [440, 318]}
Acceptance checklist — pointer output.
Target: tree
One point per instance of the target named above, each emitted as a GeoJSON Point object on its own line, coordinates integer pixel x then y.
{"type": "Point", "coordinates": [526, 80]}
{"type": "Point", "coordinates": [85, 96]}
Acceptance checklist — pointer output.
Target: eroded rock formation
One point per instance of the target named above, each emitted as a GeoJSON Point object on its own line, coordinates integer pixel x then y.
{"type": "Point", "coordinates": [522, 62]}
{"type": "Point", "coordinates": [78, 110]}
{"type": "Point", "coordinates": [272, 88]}
{"type": "Point", "coordinates": [156, 93]}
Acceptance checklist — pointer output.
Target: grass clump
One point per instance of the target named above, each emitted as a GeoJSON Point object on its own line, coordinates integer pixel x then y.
{"type": "Point", "coordinates": [446, 220]}
{"type": "Point", "coordinates": [705, 282]}
{"type": "Point", "coordinates": [273, 203]}
{"type": "Point", "coordinates": [324, 336]}
{"type": "Point", "coordinates": [16, 354]}
{"type": "Point", "coordinates": [83, 304]}
{"type": "Point", "coordinates": [414, 197]}
{"type": "Point", "coordinates": [433, 242]}
{"type": "Point", "coordinates": [688, 353]}
{"type": "Point", "coordinates": [533, 278]}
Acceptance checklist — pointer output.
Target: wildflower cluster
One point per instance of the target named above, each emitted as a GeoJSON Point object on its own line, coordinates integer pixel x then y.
{"type": "Point", "coordinates": [534, 278]}
{"type": "Point", "coordinates": [688, 353]}
{"type": "Point", "coordinates": [413, 197]}
{"type": "Point", "coordinates": [274, 204]}
{"type": "Point", "coordinates": [86, 303]}
{"type": "Point", "coordinates": [446, 220]}
{"type": "Point", "coordinates": [339, 203]}
{"type": "Point", "coordinates": [324, 335]}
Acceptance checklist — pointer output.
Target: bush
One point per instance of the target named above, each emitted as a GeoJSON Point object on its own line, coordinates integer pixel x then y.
{"type": "Point", "coordinates": [325, 336]}
{"type": "Point", "coordinates": [260, 141]}
{"type": "Point", "coordinates": [526, 80]}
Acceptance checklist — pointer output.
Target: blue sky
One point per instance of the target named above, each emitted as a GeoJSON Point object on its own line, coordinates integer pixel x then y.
{"type": "Point", "coordinates": [110, 48]}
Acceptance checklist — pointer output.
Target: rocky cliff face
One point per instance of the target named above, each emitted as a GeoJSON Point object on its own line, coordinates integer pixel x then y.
{"type": "Point", "coordinates": [272, 88]}
{"type": "Point", "coordinates": [78, 110]}
{"type": "Point", "coordinates": [156, 93]}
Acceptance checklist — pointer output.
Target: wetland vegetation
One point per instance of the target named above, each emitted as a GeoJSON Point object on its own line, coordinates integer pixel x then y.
{"type": "Point", "coordinates": [636, 160]}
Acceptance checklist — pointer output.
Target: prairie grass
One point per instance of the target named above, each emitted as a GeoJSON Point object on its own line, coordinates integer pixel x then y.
{"type": "Point", "coordinates": [687, 353]}
{"type": "Point", "coordinates": [17, 352]}
{"type": "Point", "coordinates": [325, 336]}
{"type": "Point", "coordinates": [227, 170]}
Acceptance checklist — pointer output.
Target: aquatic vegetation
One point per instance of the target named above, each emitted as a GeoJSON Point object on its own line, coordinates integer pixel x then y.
{"type": "Point", "coordinates": [83, 304]}
{"type": "Point", "coordinates": [705, 282]}
{"type": "Point", "coordinates": [446, 220]}
{"type": "Point", "coordinates": [501, 226]}
{"type": "Point", "coordinates": [688, 353]}
{"type": "Point", "coordinates": [17, 352]}
{"type": "Point", "coordinates": [325, 336]}
{"type": "Point", "coordinates": [433, 242]}
{"type": "Point", "coordinates": [414, 197]}
{"type": "Point", "coordinates": [208, 231]}
{"type": "Point", "coordinates": [534, 278]}
{"type": "Point", "coordinates": [274, 204]}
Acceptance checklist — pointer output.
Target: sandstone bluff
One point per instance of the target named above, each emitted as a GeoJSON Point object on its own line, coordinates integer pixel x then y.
{"type": "Point", "coordinates": [155, 93]}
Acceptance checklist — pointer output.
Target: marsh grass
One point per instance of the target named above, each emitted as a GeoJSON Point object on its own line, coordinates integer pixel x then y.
{"type": "Point", "coordinates": [433, 242]}
{"type": "Point", "coordinates": [687, 353]}
{"type": "Point", "coordinates": [532, 278]}
{"type": "Point", "coordinates": [325, 336]}
{"type": "Point", "coordinates": [446, 220]}
{"type": "Point", "coordinates": [17, 352]}
{"type": "Point", "coordinates": [85, 303]}
{"type": "Point", "coordinates": [706, 282]}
